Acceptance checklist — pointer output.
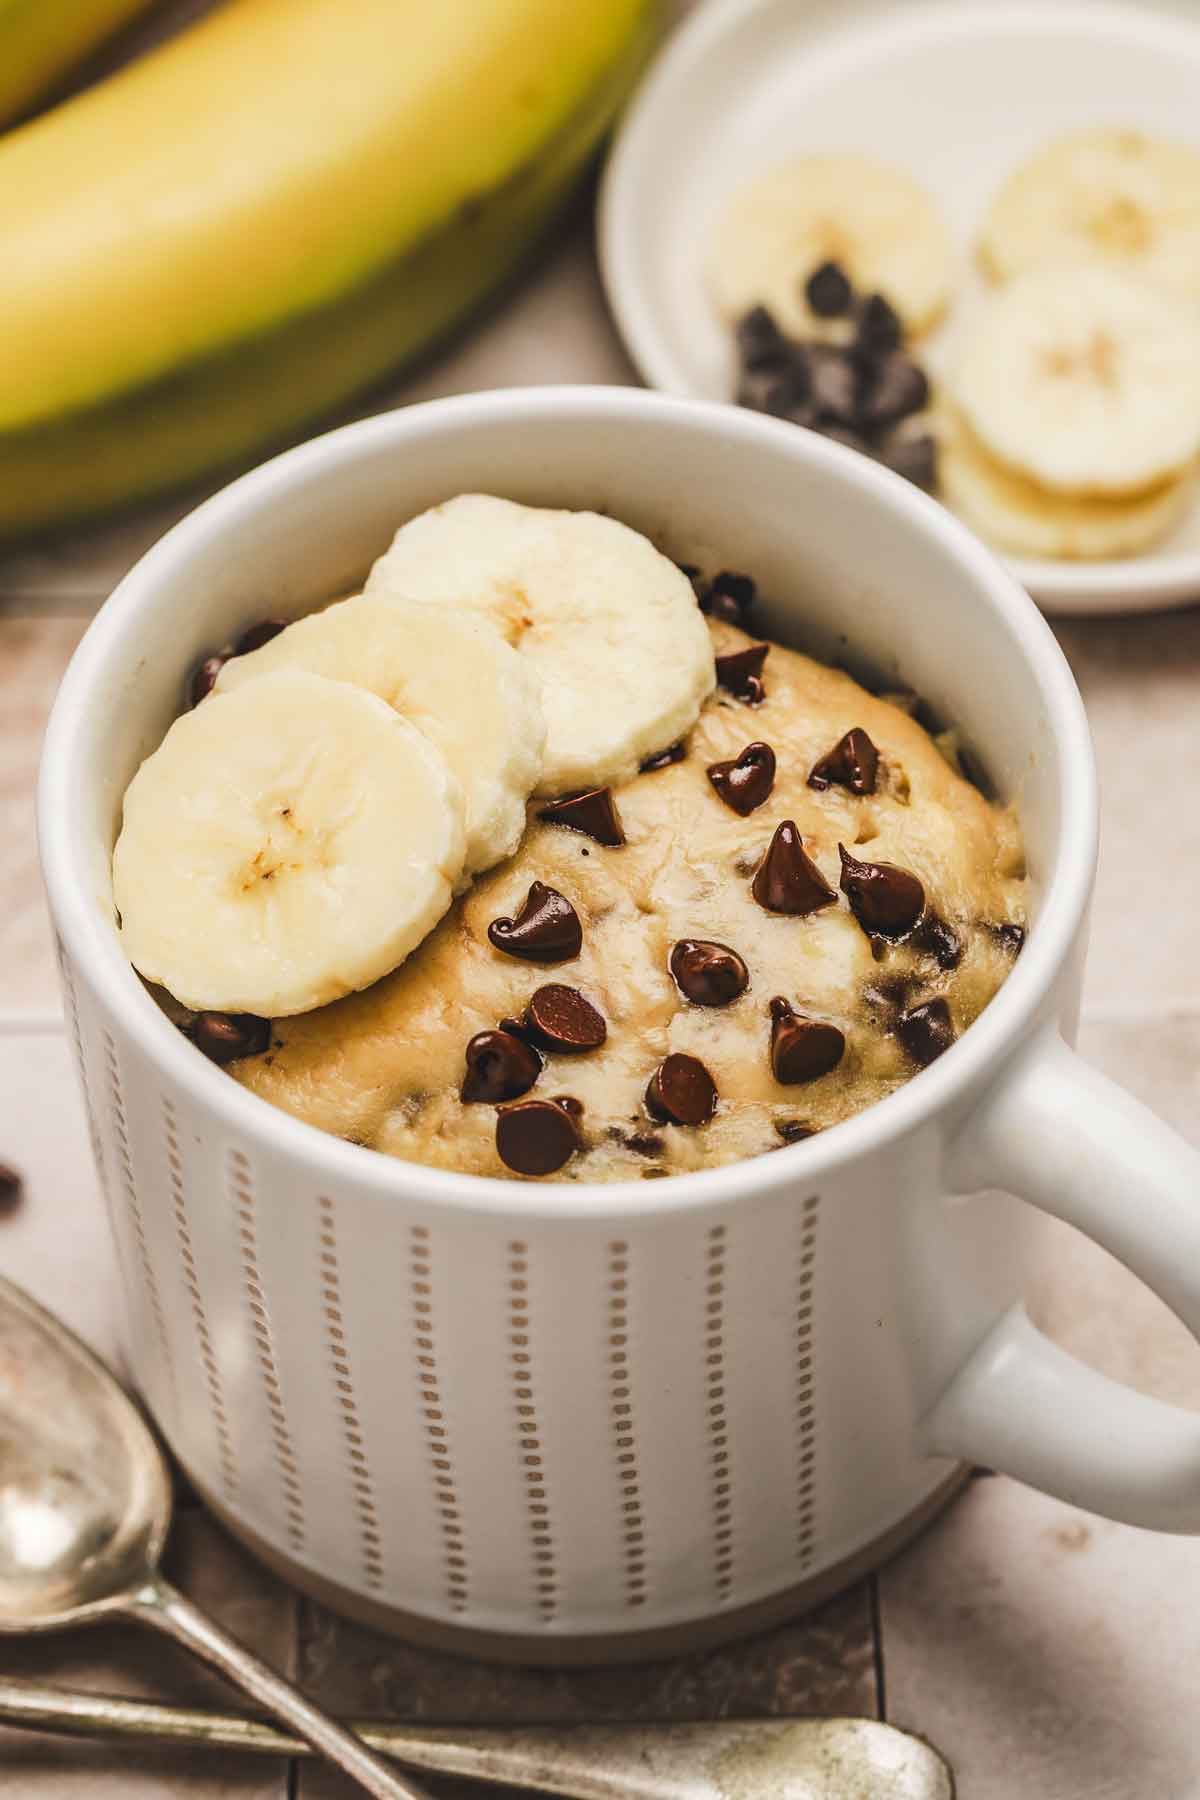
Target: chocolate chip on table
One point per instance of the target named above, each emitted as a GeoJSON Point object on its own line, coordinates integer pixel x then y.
{"type": "Point", "coordinates": [706, 973]}
{"type": "Point", "coordinates": [739, 672]}
{"type": "Point", "coordinates": [662, 759]}
{"type": "Point", "coordinates": [500, 1066]}
{"type": "Point", "coordinates": [745, 780]}
{"type": "Point", "coordinates": [593, 812]}
{"type": "Point", "coordinates": [681, 1091]}
{"type": "Point", "coordinates": [828, 291]}
{"type": "Point", "coordinates": [561, 1018]}
{"type": "Point", "coordinates": [545, 929]}
{"type": "Point", "coordinates": [794, 1131]}
{"type": "Point", "coordinates": [926, 1030]}
{"type": "Point", "coordinates": [223, 1037]}
{"type": "Point", "coordinates": [802, 1049]}
{"type": "Point", "coordinates": [938, 939]}
{"type": "Point", "coordinates": [878, 324]}
{"type": "Point", "coordinates": [886, 900]}
{"type": "Point", "coordinates": [536, 1137]}
{"type": "Point", "coordinates": [913, 457]}
{"type": "Point", "coordinates": [10, 1188]}
{"type": "Point", "coordinates": [852, 763]}
{"type": "Point", "coordinates": [787, 879]}
{"type": "Point", "coordinates": [258, 634]}
{"type": "Point", "coordinates": [204, 678]}
{"type": "Point", "coordinates": [1009, 937]}
{"type": "Point", "coordinates": [759, 339]}
{"type": "Point", "coordinates": [894, 387]}
{"type": "Point", "coordinates": [731, 596]}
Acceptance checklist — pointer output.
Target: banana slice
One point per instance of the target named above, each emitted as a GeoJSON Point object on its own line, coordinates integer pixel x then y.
{"type": "Point", "coordinates": [1084, 381]}
{"type": "Point", "coordinates": [873, 220]}
{"type": "Point", "coordinates": [451, 674]}
{"type": "Point", "coordinates": [285, 845]}
{"type": "Point", "coordinates": [1113, 198]}
{"type": "Point", "coordinates": [609, 625]}
{"type": "Point", "coordinates": [1014, 513]}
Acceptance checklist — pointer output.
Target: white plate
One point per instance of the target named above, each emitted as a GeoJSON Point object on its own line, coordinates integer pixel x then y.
{"type": "Point", "coordinates": [956, 93]}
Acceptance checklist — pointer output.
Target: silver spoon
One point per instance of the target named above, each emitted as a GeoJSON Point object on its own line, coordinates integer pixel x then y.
{"type": "Point", "coordinates": [85, 1504]}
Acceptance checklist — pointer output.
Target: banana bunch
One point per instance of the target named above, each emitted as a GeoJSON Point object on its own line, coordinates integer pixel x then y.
{"type": "Point", "coordinates": [236, 232]}
{"type": "Point", "coordinates": [41, 39]}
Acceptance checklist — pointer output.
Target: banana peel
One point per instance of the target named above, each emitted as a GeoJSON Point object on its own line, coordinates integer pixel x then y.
{"type": "Point", "coordinates": [40, 40]}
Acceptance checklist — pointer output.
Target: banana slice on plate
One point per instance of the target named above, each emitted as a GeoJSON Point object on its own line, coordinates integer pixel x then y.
{"type": "Point", "coordinates": [1084, 381]}
{"type": "Point", "coordinates": [1017, 515]}
{"type": "Point", "coordinates": [609, 626]}
{"type": "Point", "coordinates": [451, 674]}
{"type": "Point", "coordinates": [1113, 198]}
{"type": "Point", "coordinates": [874, 221]}
{"type": "Point", "coordinates": [285, 845]}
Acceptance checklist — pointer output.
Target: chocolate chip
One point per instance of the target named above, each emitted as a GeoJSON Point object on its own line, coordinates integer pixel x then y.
{"type": "Point", "coordinates": [1009, 937]}
{"type": "Point", "coordinates": [842, 434]}
{"type": "Point", "coordinates": [536, 1137]}
{"type": "Point", "coordinates": [828, 291]}
{"type": "Point", "coordinates": [662, 759]}
{"type": "Point", "coordinates": [787, 879]}
{"type": "Point", "coordinates": [500, 1066]}
{"type": "Point", "coordinates": [913, 457]}
{"type": "Point", "coordinates": [731, 596]}
{"type": "Point", "coordinates": [852, 763]}
{"type": "Point", "coordinates": [936, 938]}
{"type": "Point", "coordinates": [833, 384]}
{"type": "Point", "coordinates": [802, 1049]}
{"type": "Point", "coordinates": [886, 900]}
{"type": "Point", "coordinates": [223, 1037]}
{"type": "Point", "coordinates": [779, 393]}
{"type": "Point", "coordinates": [895, 386]}
{"type": "Point", "coordinates": [708, 974]}
{"type": "Point", "coordinates": [546, 929]}
{"type": "Point", "coordinates": [926, 1030]}
{"type": "Point", "coordinates": [560, 1018]}
{"type": "Point", "coordinates": [645, 1143]}
{"type": "Point", "coordinates": [10, 1189]}
{"type": "Point", "coordinates": [593, 812]}
{"type": "Point", "coordinates": [255, 636]}
{"type": "Point", "coordinates": [682, 1091]}
{"type": "Point", "coordinates": [759, 339]}
{"type": "Point", "coordinates": [740, 673]}
{"type": "Point", "coordinates": [794, 1131]}
{"type": "Point", "coordinates": [878, 325]}
{"type": "Point", "coordinates": [204, 678]}
{"type": "Point", "coordinates": [746, 780]}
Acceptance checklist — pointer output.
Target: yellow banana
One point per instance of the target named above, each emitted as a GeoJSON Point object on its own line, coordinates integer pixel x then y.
{"type": "Point", "coordinates": [234, 234]}
{"type": "Point", "coordinates": [41, 39]}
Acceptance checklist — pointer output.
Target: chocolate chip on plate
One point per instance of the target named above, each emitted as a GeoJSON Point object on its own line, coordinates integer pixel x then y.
{"type": "Point", "coordinates": [895, 386]}
{"type": "Point", "coordinates": [258, 634]}
{"type": "Point", "coordinates": [938, 939]}
{"type": "Point", "coordinates": [500, 1066]}
{"type": "Point", "coordinates": [560, 1018]}
{"type": "Point", "coordinates": [802, 1049]}
{"type": "Point", "coordinates": [546, 928]}
{"type": "Point", "coordinates": [878, 325]}
{"type": "Point", "coordinates": [759, 339]}
{"type": "Point", "coordinates": [10, 1188]}
{"type": "Point", "coordinates": [204, 678]}
{"type": "Point", "coordinates": [828, 291]}
{"type": "Point", "coordinates": [681, 1091]}
{"type": "Point", "coordinates": [745, 780]}
{"type": "Point", "coordinates": [740, 673]}
{"type": "Point", "coordinates": [706, 973]}
{"type": "Point", "coordinates": [852, 763]}
{"type": "Point", "coordinates": [223, 1037]}
{"type": "Point", "coordinates": [794, 1131]}
{"type": "Point", "coordinates": [787, 879]}
{"type": "Point", "coordinates": [731, 596]}
{"type": "Point", "coordinates": [886, 900]}
{"type": "Point", "coordinates": [593, 812]}
{"type": "Point", "coordinates": [536, 1137]}
{"type": "Point", "coordinates": [662, 759]}
{"type": "Point", "coordinates": [926, 1030]}
{"type": "Point", "coordinates": [913, 457]}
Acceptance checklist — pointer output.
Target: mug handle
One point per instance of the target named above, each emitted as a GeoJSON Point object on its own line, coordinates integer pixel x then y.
{"type": "Point", "coordinates": [1059, 1134]}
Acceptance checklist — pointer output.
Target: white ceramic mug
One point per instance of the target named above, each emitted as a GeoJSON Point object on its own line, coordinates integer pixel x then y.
{"type": "Point", "coordinates": [561, 1421]}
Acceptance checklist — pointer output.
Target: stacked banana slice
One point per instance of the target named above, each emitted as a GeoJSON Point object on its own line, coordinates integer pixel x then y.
{"type": "Point", "coordinates": [300, 831]}
{"type": "Point", "coordinates": [1072, 424]}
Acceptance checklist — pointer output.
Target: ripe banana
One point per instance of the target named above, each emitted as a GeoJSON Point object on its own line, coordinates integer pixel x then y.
{"type": "Point", "coordinates": [874, 221]}
{"type": "Point", "coordinates": [233, 234]}
{"type": "Point", "coordinates": [285, 845]}
{"type": "Point", "coordinates": [609, 625]}
{"type": "Point", "coordinates": [451, 674]}
{"type": "Point", "coordinates": [41, 39]}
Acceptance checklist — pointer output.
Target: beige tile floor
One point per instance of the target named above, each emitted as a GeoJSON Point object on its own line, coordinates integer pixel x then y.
{"type": "Point", "coordinates": [1050, 1655]}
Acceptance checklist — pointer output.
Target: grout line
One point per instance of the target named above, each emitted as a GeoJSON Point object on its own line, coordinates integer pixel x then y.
{"type": "Point", "coordinates": [877, 1641]}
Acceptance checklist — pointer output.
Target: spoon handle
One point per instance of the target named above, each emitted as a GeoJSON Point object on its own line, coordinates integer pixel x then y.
{"type": "Point", "coordinates": [157, 1603]}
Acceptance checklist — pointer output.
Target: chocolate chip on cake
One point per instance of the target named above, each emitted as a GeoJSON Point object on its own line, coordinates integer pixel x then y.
{"type": "Point", "coordinates": [204, 678]}
{"type": "Point", "coordinates": [794, 1131]}
{"type": "Point", "coordinates": [740, 673]}
{"type": "Point", "coordinates": [536, 1137]}
{"type": "Point", "coordinates": [593, 812]}
{"type": "Point", "coordinates": [223, 1037]}
{"type": "Point", "coordinates": [706, 973]}
{"type": "Point", "coordinates": [938, 939]}
{"type": "Point", "coordinates": [546, 929]}
{"type": "Point", "coordinates": [731, 597]}
{"type": "Point", "coordinates": [258, 634]}
{"type": "Point", "coordinates": [828, 291]}
{"type": "Point", "coordinates": [852, 763]}
{"type": "Point", "coordinates": [802, 1049]}
{"type": "Point", "coordinates": [562, 1019]}
{"type": "Point", "coordinates": [926, 1030]}
{"type": "Point", "coordinates": [662, 759]}
{"type": "Point", "coordinates": [746, 780]}
{"type": "Point", "coordinates": [886, 900]}
{"type": "Point", "coordinates": [643, 1143]}
{"type": "Point", "coordinates": [500, 1066]}
{"type": "Point", "coordinates": [1009, 937]}
{"type": "Point", "coordinates": [787, 879]}
{"type": "Point", "coordinates": [681, 1091]}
